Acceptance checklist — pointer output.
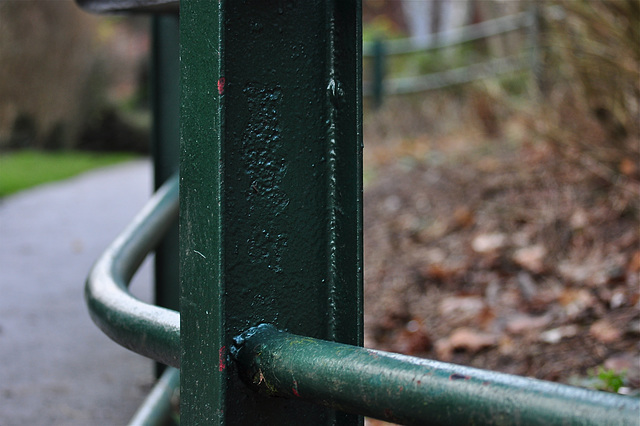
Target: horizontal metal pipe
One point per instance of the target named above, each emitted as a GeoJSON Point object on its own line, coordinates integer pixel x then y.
{"type": "Point", "coordinates": [453, 37]}
{"type": "Point", "coordinates": [490, 68]}
{"type": "Point", "coordinates": [410, 390]}
{"type": "Point", "coordinates": [461, 35]}
{"type": "Point", "coordinates": [156, 408]}
{"type": "Point", "coordinates": [149, 330]}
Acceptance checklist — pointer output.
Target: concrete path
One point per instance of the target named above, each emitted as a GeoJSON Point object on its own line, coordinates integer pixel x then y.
{"type": "Point", "coordinates": [56, 367]}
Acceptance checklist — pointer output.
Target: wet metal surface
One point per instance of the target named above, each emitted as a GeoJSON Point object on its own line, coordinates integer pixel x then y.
{"type": "Point", "coordinates": [270, 191]}
{"type": "Point", "coordinates": [410, 390]}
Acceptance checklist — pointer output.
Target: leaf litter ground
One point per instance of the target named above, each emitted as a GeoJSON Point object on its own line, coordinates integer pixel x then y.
{"type": "Point", "coordinates": [501, 258]}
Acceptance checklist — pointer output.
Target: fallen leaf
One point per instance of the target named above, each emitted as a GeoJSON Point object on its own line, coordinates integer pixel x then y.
{"type": "Point", "coordinates": [575, 272]}
{"type": "Point", "coordinates": [531, 258]}
{"type": "Point", "coordinates": [437, 229]}
{"type": "Point", "coordinates": [439, 272]}
{"type": "Point", "coordinates": [628, 167]}
{"type": "Point", "coordinates": [464, 339]}
{"type": "Point", "coordinates": [618, 298]}
{"type": "Point", "coordinates": [412, 339]}
{"type": "Point", "coordinates": [556, 334]}
{"type": "Point", "coordinates": [471, 340]}
{"type": "Point", "coordinates": [634, 263]}
{"type": "Point", "coordinates": [488, 164]}
{"type": "Point", "coordinates": [622, 362]}
{"type": "Point", "coordinates": [486, 243]}
{"type": "Point", "coordinates": [605, 332]}
{"type": "Point", "coordinates": [579, 219]}
{"type": "Point", "coordinates": [486, 318]}
{"type": "Point", "coordinates": [461, 306]}
{"type": "Point", "coordinates": [576, 301]}
{"type": "Point", "coordinates": [435, 255]}
{"type": "Point", "coordinates": [392, 204]}
{"type": "Point", "coordinates": [519, 324]}
{"type": "Point", "coordinates": [544, 297]}
{"type": "Point", "coordinates": [463, 217]}
{"type": "Point", "coordinates": [507, 346]}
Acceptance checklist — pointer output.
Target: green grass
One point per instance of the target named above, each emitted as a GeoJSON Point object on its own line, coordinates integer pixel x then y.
{"type": "Point", "coordinates": [25, 169]}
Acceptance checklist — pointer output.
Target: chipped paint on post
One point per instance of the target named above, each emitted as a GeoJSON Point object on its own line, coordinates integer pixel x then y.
{"type": "Point", "coordinates": [222, 363]}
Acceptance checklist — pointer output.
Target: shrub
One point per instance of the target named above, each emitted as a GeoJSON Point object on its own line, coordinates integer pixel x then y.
{"type": "Point", "coordinates": [590, 112]}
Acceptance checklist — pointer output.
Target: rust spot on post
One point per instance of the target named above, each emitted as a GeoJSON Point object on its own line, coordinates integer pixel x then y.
{"type": "Point", "coordinates": [294, 389]}
{"type": "Point", "coordinates": [221, 354]}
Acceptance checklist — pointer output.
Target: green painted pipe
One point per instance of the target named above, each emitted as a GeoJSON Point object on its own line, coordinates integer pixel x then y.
{"type": "Point", "coordinates": [149, 330]}
{"type": "Point", "coordinates": [410, 390]}
{"type": "Point", "coordinates": [156, 408]}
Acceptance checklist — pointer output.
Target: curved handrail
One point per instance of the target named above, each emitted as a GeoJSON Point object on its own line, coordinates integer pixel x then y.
{"type": "Point", "coordinates": [149, 330]}
{"type": "Point", "coordinates": [291, 366]}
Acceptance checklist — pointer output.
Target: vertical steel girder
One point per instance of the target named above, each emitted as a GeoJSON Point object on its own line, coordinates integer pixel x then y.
{"type": "Point", "coordinates": [270, 196]}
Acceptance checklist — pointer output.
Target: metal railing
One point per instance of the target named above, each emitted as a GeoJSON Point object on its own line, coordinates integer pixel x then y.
{"type": "Point", "coordinates": [453, 37]}
{"type": "Point", "coordinates": [411, 390]}
{"type": "Point", "coordinates": [270, 214]}
{"type": "Point", "coordinates": [380, 50]}
{"type": "Point", "coordinates": [378, 384]}
{"type": "Point", "coordinates": [151, 331]}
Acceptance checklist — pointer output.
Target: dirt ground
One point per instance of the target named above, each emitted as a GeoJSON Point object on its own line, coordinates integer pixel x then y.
{"type": "Point", "coordinates": [502, 256]}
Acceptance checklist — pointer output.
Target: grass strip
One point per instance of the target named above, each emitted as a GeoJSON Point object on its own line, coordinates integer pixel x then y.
{"type": "Point", "coordinates": [20, 170]}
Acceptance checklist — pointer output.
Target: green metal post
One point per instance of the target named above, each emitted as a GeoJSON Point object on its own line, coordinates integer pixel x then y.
{"type": "Point", "coordinates": [270, 195]}
{"type": "Point", "coordinates": [165, 92]}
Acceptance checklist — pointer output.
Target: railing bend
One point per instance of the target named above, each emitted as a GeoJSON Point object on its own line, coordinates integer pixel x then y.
{"type": "Point", "coordinates": [149, 330]}
{"type": "Point", "coordinates": [381, 385]}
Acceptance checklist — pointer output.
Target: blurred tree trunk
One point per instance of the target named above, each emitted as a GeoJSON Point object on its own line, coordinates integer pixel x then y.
{"type": "Point", "coordinates": [429, 17]}
{"type": "Point", "coordinates": [47, 60]}
{"type": "Point", "coordinates": [504, 44]}
{"type": "Point", "coordinates": [418, 15]}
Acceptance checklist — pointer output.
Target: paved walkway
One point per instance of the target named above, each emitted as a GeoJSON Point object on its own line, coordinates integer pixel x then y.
{"type": "Point", "coordinates": [56, 367]}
